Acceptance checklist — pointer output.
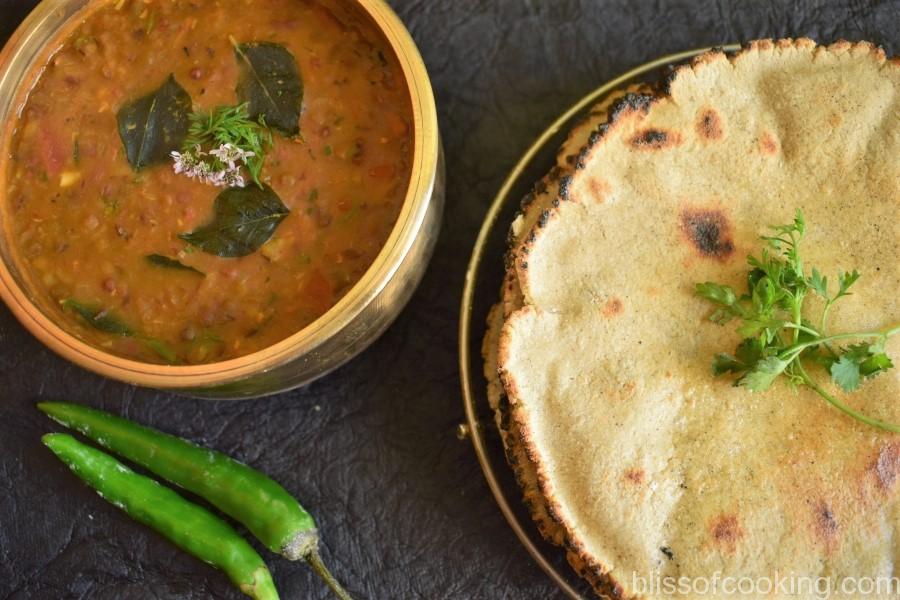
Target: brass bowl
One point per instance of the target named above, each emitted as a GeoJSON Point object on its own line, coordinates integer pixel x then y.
{"type": "Point", "coordinates": [330, 341]}
{"type": "Point", "coordinates": [482, 283]}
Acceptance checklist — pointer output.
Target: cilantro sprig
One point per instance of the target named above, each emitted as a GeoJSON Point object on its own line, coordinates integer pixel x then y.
{"type": "Point", "coordinates": [778, 340]}
{"type": "Point", "coordinates": [228, 127]}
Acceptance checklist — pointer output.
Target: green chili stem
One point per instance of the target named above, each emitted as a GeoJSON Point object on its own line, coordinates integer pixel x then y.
{"type": "Point", "coordinates": [315, 562]}
{"type": "Point", "coordinates": [841, 406]}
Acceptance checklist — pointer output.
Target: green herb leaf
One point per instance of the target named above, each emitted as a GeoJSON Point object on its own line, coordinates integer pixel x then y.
{"type": "Point", "coordinates": [778, 339]}
{"type": "Point", "coordinates": [857, 362]}
{"type": "Point", "coordinates": [725, 363]}
{"type": "Point", "coordinates": [101, 320]}
{"type": "Point", "coordinates": [746, 355]}
{"type": "Point", "coordinates": [159, 260]}
{"type": "Point", "coordinates": [230, 125]}
{"type": "Point", "coordinates": [845, 373]}
{"type": "Point", "coordinates": [154, 125]}
{"type": "Point", "coordinates": [761, 325]}
{"type": "Point", "coordinates": [799, 222]}
{"type": "Point", "coordinates": [763, 374]}
{"type": "Point", "coordinates": [845, 280]}
{"type": "Point", "coordinates": [98, 318]}
{"type": "Point", "coordinates": [723, 295]}
{"type": "Point", "coordinates": [818, 283]}
{"type": "Point", "coordinates": [269, 82]}
{"type": "Point", "coordinates": [243, 220]}
{"type": "Point", "coordinates": [875, 364]}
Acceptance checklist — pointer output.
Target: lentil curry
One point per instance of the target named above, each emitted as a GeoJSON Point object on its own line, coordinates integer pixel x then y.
{"type": "Point", "coordinates": [135, 248]}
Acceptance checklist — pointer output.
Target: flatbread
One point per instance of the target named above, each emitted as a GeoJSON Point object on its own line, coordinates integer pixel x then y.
{"type": "Point", "coordinates": [648, 465]}
{"type": "Point", "coordinates": [538, 200]}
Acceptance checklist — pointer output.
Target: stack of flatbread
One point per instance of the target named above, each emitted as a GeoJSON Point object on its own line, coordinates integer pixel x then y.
{"type": "Point", "coordinates": [629, 452]}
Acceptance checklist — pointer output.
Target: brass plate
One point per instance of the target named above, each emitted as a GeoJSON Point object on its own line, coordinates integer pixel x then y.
{"type": "Point", "coordinates": [482, 285]}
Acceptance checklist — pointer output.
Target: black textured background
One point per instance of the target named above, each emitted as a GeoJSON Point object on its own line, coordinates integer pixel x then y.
{"type": "Point", "coordinates": [371, 449]}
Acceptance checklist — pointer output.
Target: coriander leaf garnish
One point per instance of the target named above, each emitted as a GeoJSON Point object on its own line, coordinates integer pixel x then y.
{"type": "Point", "coordinates": [778, 341]}
{"type": "Point", "coordinates": [858, 362]}
{"type": "Point", "coordinates": [219, 142]}
{"type": "Point", "coordinates": [763, 373]}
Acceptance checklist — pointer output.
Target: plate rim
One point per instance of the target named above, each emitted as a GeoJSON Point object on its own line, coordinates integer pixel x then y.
{"type": "Point", "coordinates": [475, 430]}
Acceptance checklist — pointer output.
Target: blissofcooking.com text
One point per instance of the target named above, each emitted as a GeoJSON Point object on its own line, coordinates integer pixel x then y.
{"type": "Point", "coordinates": [719, 585]}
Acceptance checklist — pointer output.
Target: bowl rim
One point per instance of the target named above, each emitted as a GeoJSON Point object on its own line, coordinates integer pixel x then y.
{"type": "Point", "coordinates": [423, 171]}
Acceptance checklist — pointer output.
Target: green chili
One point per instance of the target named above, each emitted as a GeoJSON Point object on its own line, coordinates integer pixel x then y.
{"type": "Point", "coordinates": [190, 527]}
{"type": "Point", "coordinates": [261, 504]}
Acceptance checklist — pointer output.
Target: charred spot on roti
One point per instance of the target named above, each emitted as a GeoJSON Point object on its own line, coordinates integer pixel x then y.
{"type": "Point", "coordinates": [613, 307]}
{"type": "Point", "coordinates": [654, 139]}
{"type": "Point", "coordinates": [725, 532]}
{"type": "Point", "coordinates": [564, 183]}
{"type": "Point", "coordinates": [826, 523]}
{"type": "Point", "coordinates": [768, 145]}
{"type": "Point", "coordinates": [527, 200]}
{"type": "Point", "coordinates": [709, 125]}
{"type": "Point", "coordinates": [629, 103]}
{"type": "Point", "coordinates": [599, 189]}
{"type": "Point", "coordinates": [542, 220]}
{"type": "Point", "coordinates": [633, 102]}
{"type": "Point", "coordinates": [708, 231]}
{"type": "Point", "coordinates": [887, 466]}
{"type": "Point", "coordinates": [592, 140]}
{"type": "Point", "coordinates": [670, 74]}
{"type": "Point", "coordinates": [634, 475]}
{"type": "Point", "coordinates": [707, 57]}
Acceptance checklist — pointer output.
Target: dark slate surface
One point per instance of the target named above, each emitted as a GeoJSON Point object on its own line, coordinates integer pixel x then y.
{"type": "Point", "coordinates": [371, 448]}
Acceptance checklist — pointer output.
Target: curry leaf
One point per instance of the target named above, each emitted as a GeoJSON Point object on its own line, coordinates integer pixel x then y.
{"type": "Point", "coordinates": [269, 82]}
{"type": "Point", "coordinates": [101, 320]}
{"type": "Point", "coordinates": [162, 349]}
{"type": "Point", "coordinates": [159, 260]}
{"type": "Point", "coordinates": [154, 125]}
{"type": "Point", "coordinates": [98, 318]}
{"type": "Point", "coordinates": [243, 220]}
